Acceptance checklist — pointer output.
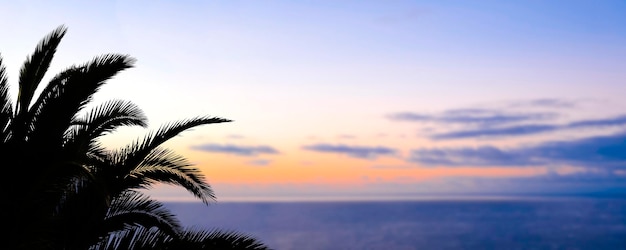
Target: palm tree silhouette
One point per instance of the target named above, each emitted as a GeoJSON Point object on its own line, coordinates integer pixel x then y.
{"type": "Point", "coordinates": [64, 190]}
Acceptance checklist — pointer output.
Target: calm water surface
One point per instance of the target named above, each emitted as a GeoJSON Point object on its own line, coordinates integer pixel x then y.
{"type": "Point", "coordinates": [572, 223]}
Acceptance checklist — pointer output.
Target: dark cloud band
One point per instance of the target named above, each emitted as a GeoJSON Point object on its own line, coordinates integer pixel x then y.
{"type": "Point", "coordinates": [530, 129]}
{"type": "Point", "coordinates": [601, 151]}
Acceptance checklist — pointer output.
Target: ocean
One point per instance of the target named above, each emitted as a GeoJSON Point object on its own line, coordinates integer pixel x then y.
{"type": "Point", "coordinates": [508, 224]}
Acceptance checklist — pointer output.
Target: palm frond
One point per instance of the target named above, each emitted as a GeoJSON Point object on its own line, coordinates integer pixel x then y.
{"type": "Point", "coordinates": [216, 239]}
{"type": "Point", "coordinates": [141, 148]}
{"type": "Point", "coordinates": [164, 166]}
{"type": "Point", "coordinates": [59, 106]}
{"type": "Point", "coordinates": [134, 208]}
{"type": "Point", "coordinates": [96, 154]}
{"type": "Point", "coordinates": [35, 67]}
{"type": "Point", "coordinates": [54, 87]}
{"type": "Point", "coordinates": [134, 237]}
{"type": "Point", "coordinates": [6, 105]}
{"type": "Point", "coordinates": [22, 125]}
{"type": "Point", "coordinates": [159, 166]}
{"type": "Point", "coordinates": [146, 177]}
{"type": "Point", "coordinates": [143, 238]}
{"type": "Point", "coordinates": [84, 132]}
{"type": "Point", "coordinates": [112, 114]}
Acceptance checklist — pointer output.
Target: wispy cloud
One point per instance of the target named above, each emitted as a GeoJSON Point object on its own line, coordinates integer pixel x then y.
{"type": "Point", "coordinates": [236, 149]}
{"type": "Point", "coordinates": [529, 129]}
{"type": "Point", "coordinates": [481, 117]}
{"type": "Point", "coordinates": [546, 103]}
{"type": "Point", "coordinates": [471, 156]}
{"type": "Point", "coordinates": [496, 132]}
{"type": "Point", "coordinates": [517, 118]}
{"type": "Point", "coordinates": [363, 152]}
{"type": "Point", "coordinates": [601, 151]}
{"type": "Point", "coordinates": [613, 121]}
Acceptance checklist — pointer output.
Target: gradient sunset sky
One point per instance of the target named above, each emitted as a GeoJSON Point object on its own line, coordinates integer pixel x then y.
{"type": "Point", "coordinates": [362, 99]}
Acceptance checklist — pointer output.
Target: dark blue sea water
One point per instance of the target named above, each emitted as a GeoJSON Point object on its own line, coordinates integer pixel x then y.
{"type": "Point", "coordinates": [555, 223]}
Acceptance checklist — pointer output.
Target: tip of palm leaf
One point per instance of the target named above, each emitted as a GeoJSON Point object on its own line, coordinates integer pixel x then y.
{"type": "Point", "coordinates": [57, 34]}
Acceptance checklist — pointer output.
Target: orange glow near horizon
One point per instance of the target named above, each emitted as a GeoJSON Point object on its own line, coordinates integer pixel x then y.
{"type": "Point", "coordinates": [344, 171]}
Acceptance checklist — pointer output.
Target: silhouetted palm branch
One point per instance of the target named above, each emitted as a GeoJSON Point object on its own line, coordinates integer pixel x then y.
{"type": "Point", "coordinates": [159, 166]}
{"type": "Point", "coordinates": [143, 162]}
{"type": "Point", "coordinates": [142, 238]}
{"type": "Point", "coordinates": [50, 90]}
{"type": "Point", "coordinates": [108, 116]}
{"type": "Point", "coordinates": [6, 107]}
{"type": "Point", "coordinates": [88, 225]}
{"type": "Point", "coordinates": [164, 166]}
{"type": "Point", "coordinates": [58, 108]}
{"type": "Point", "coordinates": [133, 237]}
{"type": "Point", "coordinates": [35, 68]}
{"type": "Point", "coordinates": [141, 148]}
{"type": "Point", "coordinates": [215, 239]}
{"type": "Point", "coordinates": [134, 208]}
{"type": "Point", "coordinates": [82, 137]}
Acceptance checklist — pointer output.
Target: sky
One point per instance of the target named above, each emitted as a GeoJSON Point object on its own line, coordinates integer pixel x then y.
{"type": "Point", "coordinates": [361, 99]}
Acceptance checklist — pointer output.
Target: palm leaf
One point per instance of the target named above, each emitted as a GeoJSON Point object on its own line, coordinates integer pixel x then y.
{"type": "Point", "coordinates": [81, 139]}
{"type": "Point", "coordinates": [134, 237]}
{"type": "Point", "coordinates": [142, 163]}
{"type": "Point", "coordinates": [54, 87]}
{"type": "Point", "coordinates": [216, 239]}
{"type": "Point", "coordinates": [159, 166]}
{"type": "Point", "coordinates": [137, 151]}
{"type": "Point", "coordinates": [142, 238]}
{"type": "Point", "coordinates": [112, 114]}
{"type": "Point", "coordinates": [59, 105]}
{"type": "Point", "coordinates": [35, 67]}
{"type": "Point", "coordinates": [6, 111]}
{"type": "Point", "coordinates": [134, 208]}
{"type": "Point", "coordinates": [22, 125]}
{"type": "Point", "coordinates": [164, 166]}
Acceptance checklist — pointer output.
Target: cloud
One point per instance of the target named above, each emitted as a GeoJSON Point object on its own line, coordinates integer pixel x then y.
{"type": "Point", "coordinates": [469, 111]}
{"type": "Point", "coordinates": [545, 102]}
{"type": "Point", "coordinates": [408, 116]}
{"type": "Point", "coordinates": [496, 123]}
{"type": "Point", "coordinates": [515, 119]}
{"type": "Point", "coordinates": [482, 117]}
{"type": "Point", "coordinates": [480, 156]}
{"type": "Point", "coordinates": [593, 152]}
{"type": "Point", "coordinates": [529, 129]}
{"type": "Point", "coordinates": [362, 152]}
{"type": "Point", "coordinates": [236, 150]}
{"type": "Point", "coordinates": [496, 132]}
{"type": "Point", "coordinates": [615, 121]}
